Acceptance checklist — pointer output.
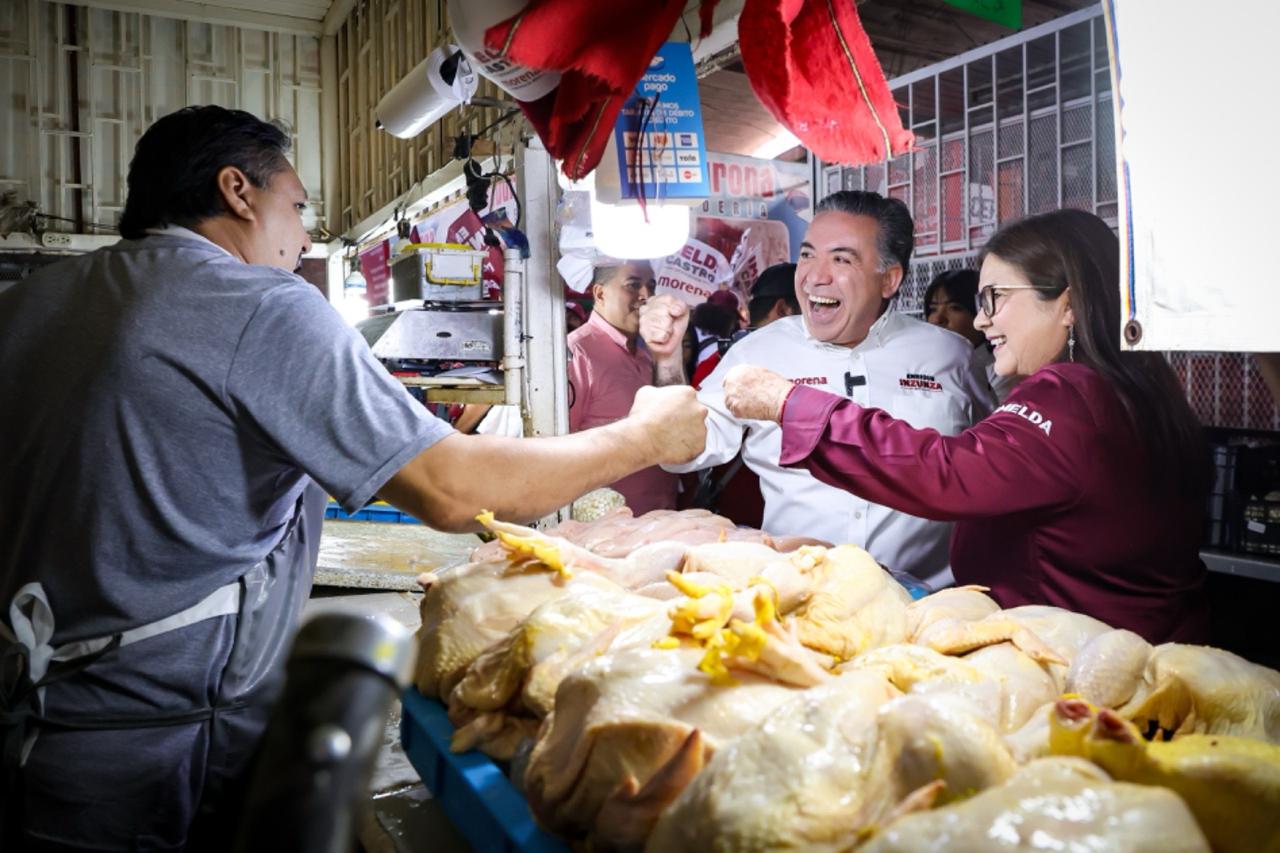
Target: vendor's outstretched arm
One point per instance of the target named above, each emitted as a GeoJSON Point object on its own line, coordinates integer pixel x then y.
{"type": "Point", "coordinates": [522, 479]}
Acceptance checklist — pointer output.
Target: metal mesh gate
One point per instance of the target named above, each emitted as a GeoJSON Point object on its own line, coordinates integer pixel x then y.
{"type": "Point", "coordinates": [1018, 127]}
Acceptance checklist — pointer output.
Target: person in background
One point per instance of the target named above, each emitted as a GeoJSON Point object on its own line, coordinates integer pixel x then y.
{"type": "Point", "coordinates": [710, 323]}
{"type": "Point", "coordinates": [950, 302]}
{"type": "Point", "coordinates": [575, 316]}
{"type": "Point", "coordinates": [1085, 490]}
{"type": "Point", "coordinates": [727, 299]}
{"type": "Point", "coordinates": [608, 365]}
{"type": "Point", "coordinates": [1269, 366]}
{"type": "Point", "coordinates": [773, 296]}
{"type": "Point", "coordinates": [187, 402]}
{"type": "Point", "coordinates": [850, 341]}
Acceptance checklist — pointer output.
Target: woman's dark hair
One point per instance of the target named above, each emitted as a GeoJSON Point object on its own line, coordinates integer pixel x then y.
{"type": "Point", "coordinates": [173, 174]}
{"type": "Point", "coordinates": [1077, 250]}
{"type": "Point", "coordinates": [961, 287]}
{"type": "Point", "coordinates": [897, 231]}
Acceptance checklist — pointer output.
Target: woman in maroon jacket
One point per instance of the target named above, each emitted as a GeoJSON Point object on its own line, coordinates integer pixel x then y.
{"type": "Point", "coordinates": [1084, 490]}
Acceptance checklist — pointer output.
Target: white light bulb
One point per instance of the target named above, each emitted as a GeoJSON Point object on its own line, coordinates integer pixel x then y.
{"type": "Point", "coordinates": [355, 304]}
{"type": "Point", "coordinates": [620, 230]}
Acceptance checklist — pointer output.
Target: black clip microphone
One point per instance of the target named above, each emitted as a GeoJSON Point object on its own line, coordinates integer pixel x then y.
{"type": "Point", "coordinates": [851, 382]}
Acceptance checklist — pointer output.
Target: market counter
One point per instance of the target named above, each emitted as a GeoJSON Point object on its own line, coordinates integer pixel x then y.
{"type": "Point", "coordinates": [370, 555]}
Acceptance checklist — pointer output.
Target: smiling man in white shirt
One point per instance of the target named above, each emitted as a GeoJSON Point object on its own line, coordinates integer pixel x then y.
{"type": "Point", "coordinates": [848, 340]}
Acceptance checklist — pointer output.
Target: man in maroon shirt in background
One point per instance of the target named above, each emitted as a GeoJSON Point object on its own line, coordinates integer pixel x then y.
{"type": "Point", "coordinates": [1084, 491]}
{"type": "Point", "coordinates": [608, 364]}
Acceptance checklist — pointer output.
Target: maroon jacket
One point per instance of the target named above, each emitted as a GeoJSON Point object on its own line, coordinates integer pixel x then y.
{"type": "Point", "coordinates": [1051, 493]}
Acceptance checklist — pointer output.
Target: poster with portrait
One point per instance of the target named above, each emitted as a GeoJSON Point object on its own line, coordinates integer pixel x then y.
{"type": "Point", "coordinates": [755, 217]}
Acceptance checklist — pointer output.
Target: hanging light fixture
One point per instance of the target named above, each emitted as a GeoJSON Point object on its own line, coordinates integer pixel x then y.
{"type": "Point", "coordinates": [628, 231]}
{"type": "Point", "coordinates": [625, 228]}
{"type": "Point", "coordinates": [355, 302]}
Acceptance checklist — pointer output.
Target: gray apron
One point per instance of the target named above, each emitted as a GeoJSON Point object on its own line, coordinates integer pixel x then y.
{"type": "Point", "coordinates": [131, 742]}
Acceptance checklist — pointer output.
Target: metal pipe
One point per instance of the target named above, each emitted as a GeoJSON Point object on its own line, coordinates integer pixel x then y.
{"type": "Point", "coordinates": [330, 153]}
{"type": "Point", "coordinates": [73, 107]}
{"type": "Point", "coordinates": [513, 279]}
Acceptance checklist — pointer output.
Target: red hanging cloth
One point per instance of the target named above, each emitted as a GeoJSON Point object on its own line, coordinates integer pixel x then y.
{"type": "Point", "coordinates": [601, 50]}
{"type": "Point", "coordinates": [812, 65]}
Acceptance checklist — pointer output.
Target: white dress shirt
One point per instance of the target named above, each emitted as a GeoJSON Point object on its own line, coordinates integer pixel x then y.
{"type": "Point", "coordinates": [914, 371]}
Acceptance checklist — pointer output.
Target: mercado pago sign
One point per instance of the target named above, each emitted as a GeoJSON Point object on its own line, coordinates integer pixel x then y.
{"type": "Point", "coordinates": [661, 147]}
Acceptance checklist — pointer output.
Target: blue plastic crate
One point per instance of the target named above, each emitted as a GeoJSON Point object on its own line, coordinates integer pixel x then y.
{"type": "Point", "coordinates": [474, 793]}
{"type": "Point", "coordinates": [379, 511]}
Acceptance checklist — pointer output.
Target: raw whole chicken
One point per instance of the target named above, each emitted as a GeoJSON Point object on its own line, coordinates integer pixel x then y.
{"type": "Point", "coordinates": [1231, 784]}
{"type": "Point", "coordinates": [470, 607]}
{"type": "Point", "coordinates": [854, 604]}
{"type": "Point", "coordinates": [828, 766]}
{"type": "Point", "coordinates": [688, 685]}
{"type": "Point", "coordinates": [1050, 635]}
{"type": "Point", "coordinates": [1202, 690]}
{"type": "Point", "coordinates": [511, 686]}
{"type": "Point", "coordinates": [617, 535]}
{"type": "Point", "coordinates": [956, 604]}
{"type": "Point", "coordinates": [1004, 685]}
{"type": "Point", "coordinates": [630, 730]}
{"type": "Point", "coordinates": [1051, 804]}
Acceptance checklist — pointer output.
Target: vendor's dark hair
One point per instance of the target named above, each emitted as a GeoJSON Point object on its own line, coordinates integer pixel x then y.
{"type": "Point", "coordinates": [1071, 248]}
{"type": "Point", "coordinates": [174, 171]}
{"type": "Point", "coordinates": [897, 231]}
{"type": "Point", "coordinates": [961, 287]}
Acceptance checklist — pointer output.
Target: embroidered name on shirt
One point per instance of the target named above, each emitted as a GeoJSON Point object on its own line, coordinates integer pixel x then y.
{"type": "Point", "coordinates": [1035, 417]}
{"type": "Point", "coordinates": [920, 380]}
{"type": "Point", "coordinates": [810, 380]}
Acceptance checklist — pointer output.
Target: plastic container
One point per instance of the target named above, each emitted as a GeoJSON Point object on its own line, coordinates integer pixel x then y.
{"type": "Point", "coordinates": [377, 511]}
{"type": "Point", "coordinates": [473, 791]}
{"type": "Point", "coordinates": [438, 273]}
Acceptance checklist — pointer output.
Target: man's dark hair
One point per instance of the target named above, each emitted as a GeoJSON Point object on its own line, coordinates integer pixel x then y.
{"type": "Point", "coordinates": [897, 231]}
{"type": "Point", "coordinates": [174, 171]}
{"type": "Point", "coordinates": [714, 319]}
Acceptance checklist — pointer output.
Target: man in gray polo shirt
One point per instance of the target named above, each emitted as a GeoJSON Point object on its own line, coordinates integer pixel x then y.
{"type": "Point", "coordinates": [174, 409]}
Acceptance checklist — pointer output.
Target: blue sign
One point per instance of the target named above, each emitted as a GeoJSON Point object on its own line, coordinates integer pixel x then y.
{"type": "Point", "coordinates": [662, 150]}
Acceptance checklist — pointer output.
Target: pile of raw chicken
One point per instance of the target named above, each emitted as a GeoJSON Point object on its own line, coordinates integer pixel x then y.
{"type": "Point", "coordinates": [689, 685]}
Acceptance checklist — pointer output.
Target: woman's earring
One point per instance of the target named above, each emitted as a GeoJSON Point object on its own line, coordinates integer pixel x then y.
{"type": "Point", "coordinates": [1071, 343]}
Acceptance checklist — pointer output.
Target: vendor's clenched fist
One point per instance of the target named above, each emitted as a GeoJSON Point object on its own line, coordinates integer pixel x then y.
{"type": "Point", "coordinates": [663, 320]}
{"type": "Point", "coordinates": [673, 420]}
{"type": "Point", "coordinates": [755, 393]}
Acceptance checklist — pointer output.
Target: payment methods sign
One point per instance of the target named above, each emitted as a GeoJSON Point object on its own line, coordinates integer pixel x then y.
{"type": "Point", "coordinates": [661, 147]}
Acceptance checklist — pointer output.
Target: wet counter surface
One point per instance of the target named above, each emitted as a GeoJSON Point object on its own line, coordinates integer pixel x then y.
{"type": "Point", "coordinates": [376, 555]}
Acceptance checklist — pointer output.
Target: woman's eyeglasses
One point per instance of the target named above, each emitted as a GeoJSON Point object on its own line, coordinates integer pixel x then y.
{"type": "Point", "coordinates": [987, 299]}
